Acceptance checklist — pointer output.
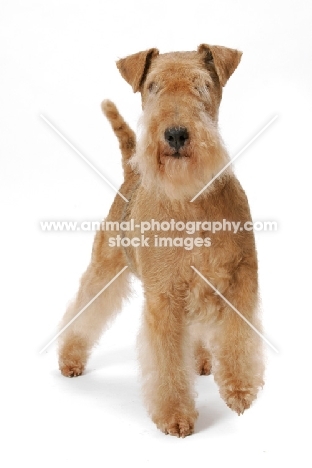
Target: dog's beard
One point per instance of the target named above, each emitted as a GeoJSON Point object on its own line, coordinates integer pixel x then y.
{"type": "Point", "coordinates": [179, 177]}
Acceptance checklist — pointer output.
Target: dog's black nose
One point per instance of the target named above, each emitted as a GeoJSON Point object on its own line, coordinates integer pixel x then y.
{"type": "Point", "coordinates": [176, 137]}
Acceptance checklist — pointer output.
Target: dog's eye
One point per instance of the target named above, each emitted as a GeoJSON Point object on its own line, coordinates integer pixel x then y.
{"type": "Point", "coordinates": [152, 87]}
{"type": "Point", "coordinates": [201, 89]}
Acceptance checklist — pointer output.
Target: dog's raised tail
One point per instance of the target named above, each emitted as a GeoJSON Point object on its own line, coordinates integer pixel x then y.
{"type": "Point", "coordinates": [125, 135]}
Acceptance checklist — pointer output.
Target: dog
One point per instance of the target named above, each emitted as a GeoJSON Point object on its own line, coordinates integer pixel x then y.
{"type": "Point", "coordinates": [191, 280]}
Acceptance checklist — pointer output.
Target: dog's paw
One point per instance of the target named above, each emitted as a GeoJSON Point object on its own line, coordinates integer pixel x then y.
{"type": "Point", "coordinates": [203, 367]}
{"type": "Point", "coordinates": [179, 425]}
{"type": "Point", "coordinates": [203, 362]}
{"type": "Point", "coordinates": [239, 399]}
{"type": "Point", "coordinates": [72, 370]}
{"type": "Point", "coordinates": [73, 356]}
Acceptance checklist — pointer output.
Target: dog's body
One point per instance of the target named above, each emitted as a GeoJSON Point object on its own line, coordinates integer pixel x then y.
{"type": "Point", "coordinates": [187, 326]}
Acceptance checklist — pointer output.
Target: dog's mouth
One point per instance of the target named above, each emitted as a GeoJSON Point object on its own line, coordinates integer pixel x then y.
{"type": "Point", "coordinates": [165, 156]}
{"type": "Point", "coordinates": [177, 155]}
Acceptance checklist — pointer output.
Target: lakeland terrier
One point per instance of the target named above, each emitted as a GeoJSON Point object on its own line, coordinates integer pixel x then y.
{"type": "Point", "coordinates": [187, 328]}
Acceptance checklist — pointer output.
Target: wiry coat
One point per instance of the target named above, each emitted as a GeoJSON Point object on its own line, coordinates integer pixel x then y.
{"type": "Point", "coordinates": [187, 327]}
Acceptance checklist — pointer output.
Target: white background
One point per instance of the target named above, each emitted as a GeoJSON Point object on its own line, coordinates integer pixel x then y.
{"type": "Point", "coordinates": [57, 58]}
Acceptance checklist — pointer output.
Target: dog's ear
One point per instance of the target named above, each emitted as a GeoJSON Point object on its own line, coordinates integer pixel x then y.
{"type": "Point", "coordinates": [224, 59]}
{"type": "Point", "coordinates": [134, 68]}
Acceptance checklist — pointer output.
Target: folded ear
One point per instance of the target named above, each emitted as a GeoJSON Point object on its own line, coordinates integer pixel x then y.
{"type": "Point", "coordinates": [224, 59]}
{"type": "Point", "coordinates": [134, 68]}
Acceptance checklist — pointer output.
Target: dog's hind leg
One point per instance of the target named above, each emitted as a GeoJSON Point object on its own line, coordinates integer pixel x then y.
{"type": "Point", "coordinates": [202, 359]}
{"type": "Point", "coordinates": [76, 341]}
{"type": "Point", "coordinates": [199, 344]}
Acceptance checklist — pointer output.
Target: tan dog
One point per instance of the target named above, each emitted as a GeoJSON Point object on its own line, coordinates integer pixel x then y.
{"type": "Point", "coordinates": [187, 327]}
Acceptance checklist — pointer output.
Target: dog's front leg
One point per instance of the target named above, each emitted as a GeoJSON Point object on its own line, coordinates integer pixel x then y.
{"type": "Point", "coordinates": [238, 364]}
{"type": "Point", "coordinates": [166, 364]}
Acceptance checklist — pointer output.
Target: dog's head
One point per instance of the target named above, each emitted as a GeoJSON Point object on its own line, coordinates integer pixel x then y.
{"type": "Point", "coordinates": [179, 149]}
